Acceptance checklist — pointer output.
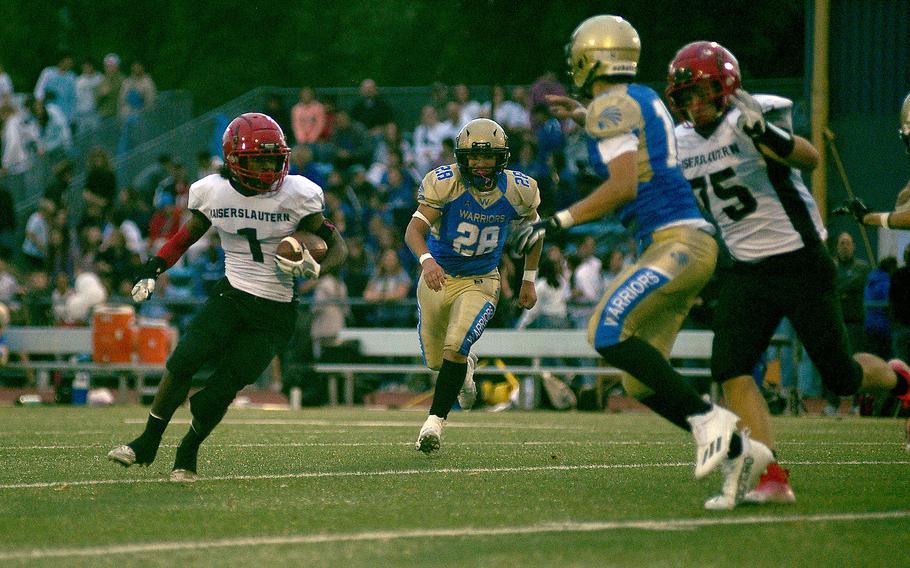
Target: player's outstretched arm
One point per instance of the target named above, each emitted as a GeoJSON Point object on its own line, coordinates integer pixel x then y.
{"type": "Point", "coordinates": [415, 236]}
{"type": "Point", "coordinates": [527, 295]}
{"type": "Point", "coordinates": [169, 254]}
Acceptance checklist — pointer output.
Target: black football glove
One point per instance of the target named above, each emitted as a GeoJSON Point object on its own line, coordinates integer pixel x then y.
{"type": "Point", "coordinates": [854, 207]}
{"type": "Point", "coordinates": [526, 235]}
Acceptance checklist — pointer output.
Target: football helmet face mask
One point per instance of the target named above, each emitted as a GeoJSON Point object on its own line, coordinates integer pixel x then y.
{"type": "Point", "coordinates": [602, 46]}
{"type": "Point", "coordinates": [481, 137]}
{"type": "Point", "coordinates": [905, 123]}
{"type": "Point", "coordinates": [700, 82]}
{"type": "Point", "coordinates": [255, 152]}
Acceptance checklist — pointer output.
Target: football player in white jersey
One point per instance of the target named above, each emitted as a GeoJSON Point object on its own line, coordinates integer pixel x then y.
{"type": "Point", "coordinates": [458, 232]}
{"type": "Point", "coordinates": [744, 165]}
{"type": "Point", "coordinates": [900, 217]}
{"type": "Point", "coordinates": [250, 316]}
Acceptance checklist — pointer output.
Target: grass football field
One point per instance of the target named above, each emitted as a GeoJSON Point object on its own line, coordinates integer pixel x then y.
{"type": "Point", "coordinates": [332, 487]}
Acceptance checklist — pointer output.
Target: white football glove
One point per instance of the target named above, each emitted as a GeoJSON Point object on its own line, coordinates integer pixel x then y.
{"type": "Point", "coordinates": [143, 289]}
{"type": "Point", "coordinates": [306, 267]}
{"type": "Point", "coordinates": [751, 119]}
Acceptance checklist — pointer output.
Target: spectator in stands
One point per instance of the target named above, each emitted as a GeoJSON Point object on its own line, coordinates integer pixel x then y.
{"type": "Point", "coordinates": [851, 281]}
{"type": "Point", "coordinates": [330, 104]}
{"type": "Point", "coordinates": [60, 295]}
{"type": "Point", "coordinates": [131, 216]}
{"type": "Point", "coordinates": [50, 124]}
{"type": "Point", "coordinates": [392, 140]}
{"type": "Point", "coordinates": [388, 286]}
{"type": "Point", "coordinates": [116, 264]}
{"type": "Point", "coordinates": [548, 134]}
{"type": "Point", "coordinates": [87, 83]}
{"type": "Point", "coordinates": [329, 310]}
{"type": "Point", "coordinates": [587, 282]}
{"type": "Point", "coordinates": [616, 263]}
{"type": "Point", "coordinates": [308, 118]}
{"type": "Point", "coordinates": [356, 275]}
{"type": "Point", "coordinates": [9, 284]}
{"type": "Point", "coordinates": [210, 264]}
{"type": "Point", "coordinates": [59, 255]}
{"type": "Point", "coordinates": [552, 286]}
{"type": "Point", "coordinates": [88, 292]}
{"type": "Point", "coordinates": [452, 123]}
{"type": "Point", "coordinates": [445, 155]}
{"type": "Point", "coordinates": [877, 324]}
{"type": "Point", "coordinates": [400, 191]}
{"type": "Point", "coordinates": [100, 185]}
{"type": "Point", "coordinates": [371, 110]}
{"type": "Point", "coordinates": [546, 84]}
{"type": "Point", "coordinates": [146, 181]}
{"type": "Point", "coordinates": [58, 83]}
{"type": "Point", "coordinates": [58, 190]}
{"type": "Point", "coordinates": [7, 222]}
{"type": "Point", "coordinates": [108, 94]}
{"type": "Point", "coordinates": [164, 223]}
{"type": "Point", "coordinates": [275, 107]}
{"type": "Point", "coordinates": [177, 185]}
{"type": "Point", "coordinates": [470, 109]}
{"type": "Point", "coordinates": [19, 139]}
{"type": "Point", "coordinates": [37, 233]}
{"type": "Point", "coordinates": [4, 343]}
{"type": "Point", "coordinates": [512, 114]}
{"type": "Point", "coordinates": [303, 164]}
{"type": "Point", "coordinates": [428, 137]}
{"type": "Point", "coordinates": [350, 142]}
{"type": "Point", "coordinates": [6, 87]}
{"type": "Point", "coordinates": [439, 97]}
{"type": "Point", "coordinates": [899, 296]}
{"type": "Point", "coordinates": [137, 96]}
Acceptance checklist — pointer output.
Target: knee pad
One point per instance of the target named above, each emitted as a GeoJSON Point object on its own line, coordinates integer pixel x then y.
{"type": "Point", "coordinates": [843, 380]}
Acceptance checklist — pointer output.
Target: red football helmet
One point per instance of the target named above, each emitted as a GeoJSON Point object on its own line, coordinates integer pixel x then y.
{"type": "Point", "coordinates": [255, 152]}
{"type": "Point", "coordinates": [702, 77]}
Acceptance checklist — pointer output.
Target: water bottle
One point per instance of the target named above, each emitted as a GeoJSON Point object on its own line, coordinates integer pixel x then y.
{"type": "Point", "coordinates": [80, 388]}
{"type": "Point", "coordinates": [296, 398]}
{"type": "Point", "coordinates": [529, 393]}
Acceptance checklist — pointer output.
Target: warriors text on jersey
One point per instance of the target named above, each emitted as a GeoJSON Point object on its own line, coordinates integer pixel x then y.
{"type": "Point", "coordinates": [632, 117]}
{"type": "Point", "coordinates": [761, 206]}
{"type": "Point", "coordinates": [251, 228]}
{"type": "Point", "coordinates": [468, 238]}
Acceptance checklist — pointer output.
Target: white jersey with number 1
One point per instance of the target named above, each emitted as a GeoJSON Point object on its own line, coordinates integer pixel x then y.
{"type": "Point", "coordinates": [251, 227]}
{"type": "Point", "coordinates": [761, 206]}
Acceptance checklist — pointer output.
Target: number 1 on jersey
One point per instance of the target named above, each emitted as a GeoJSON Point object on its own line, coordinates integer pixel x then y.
{"type": "Point", "coordinates": [255, 247]}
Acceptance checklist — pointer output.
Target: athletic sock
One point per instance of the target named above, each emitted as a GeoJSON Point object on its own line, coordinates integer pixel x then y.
{"type": "Point", "coordinates": [188, 450]}
{"type": "Point", "coordinates": [668, 407]}
{"type": "Point", "coordinates": [146, 445]}
{"type": "Point", "coordinates": [448, 385]}
{"type": "Point", "coordinates": [648, 365]}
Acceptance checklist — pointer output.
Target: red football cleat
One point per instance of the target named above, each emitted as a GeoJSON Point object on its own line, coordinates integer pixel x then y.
{"type": "Point", "coordinates": [773, 487]}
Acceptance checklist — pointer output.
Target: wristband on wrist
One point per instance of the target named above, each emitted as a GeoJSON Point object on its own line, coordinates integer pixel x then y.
{"type": "Point", "coordinates": [564, 219]}
{"type": "Point", "coordinates": [777, 139]}
{"type": "Point", "coordinates": [153, 267]}
{"type": "Point", "coordinates": [425, 256]}
{"type": "Point", "coordinates": [885, 220]}
{"type": "Point", "coordinates": [529, 275]}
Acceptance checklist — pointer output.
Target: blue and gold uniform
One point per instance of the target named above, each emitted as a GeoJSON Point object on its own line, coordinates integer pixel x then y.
{"type": "Point", "coordinates": [651, 298]}
{"type": "Point", "coordinates": [467, 242]}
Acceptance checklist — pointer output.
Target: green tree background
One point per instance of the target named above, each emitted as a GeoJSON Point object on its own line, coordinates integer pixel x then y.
{"type": "Point", "coordinates": [218, 50]}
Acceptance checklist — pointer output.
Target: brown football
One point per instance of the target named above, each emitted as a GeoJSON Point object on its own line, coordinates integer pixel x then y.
{"type": "Point", "coordinates": [314, 243]}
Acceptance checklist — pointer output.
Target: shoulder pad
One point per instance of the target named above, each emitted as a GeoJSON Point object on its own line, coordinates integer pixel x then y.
{"type": "Point", "coordinates": [612, 113]}
{"type": "Point", "coordinates": [777, 110]}
{"type": "Point", "coordinates": [438, 186]}
{"type": "Point", "coordinates": [527, 190]}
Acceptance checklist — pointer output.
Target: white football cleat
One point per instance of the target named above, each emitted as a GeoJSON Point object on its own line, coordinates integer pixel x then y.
{"type": "Point", "coordinates": [183, 476]}
{"type": "Point", "coordinates": [712, 432]}
{"type": "Point", "coordinates": [430, 434]}
{"type": "Point", "coordinates": [741, 474]}
{"type": "Point", "coordinates": [124, 455]}
{"type": "Point", "coordinates": [468, 393]}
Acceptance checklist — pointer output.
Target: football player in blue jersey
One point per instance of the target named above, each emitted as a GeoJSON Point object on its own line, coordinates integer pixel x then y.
{"type": "Point", "coordinates": [632, 147]}
{"type": "Point", "coordinates": [463, 219]}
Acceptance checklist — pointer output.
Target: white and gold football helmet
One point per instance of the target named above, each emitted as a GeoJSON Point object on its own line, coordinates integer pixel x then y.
{"type": "Point", "coordinates": [602, 46]}
{"type": "Point", "coordinates": [905, 122]}
{"type": "Point", "coordinates": [481, 136]}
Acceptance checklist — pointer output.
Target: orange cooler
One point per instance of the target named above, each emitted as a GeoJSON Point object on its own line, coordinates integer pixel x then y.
{"type": "Point", "coordinates": [112, 334]}
{"type": "Point", "coordinates": [155, 341]}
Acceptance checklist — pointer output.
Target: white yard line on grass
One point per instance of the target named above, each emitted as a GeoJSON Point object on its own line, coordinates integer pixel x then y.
{"type": "Point", "coordinates": [410, 443]}
{"type": "Point", "coordinates": [454, 532]}
{"type": "Point", "coordinates": [395, 472]}
{"type": "Point", "coordinates": [364, 423]}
